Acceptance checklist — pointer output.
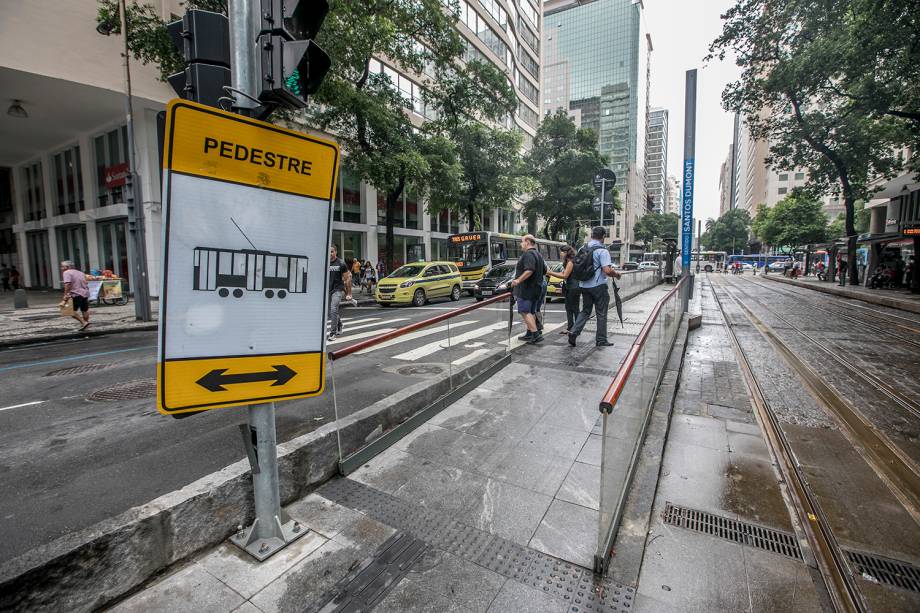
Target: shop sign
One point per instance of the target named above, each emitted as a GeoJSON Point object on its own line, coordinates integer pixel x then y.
{"type": "Point", "coordinates": [247, 218]}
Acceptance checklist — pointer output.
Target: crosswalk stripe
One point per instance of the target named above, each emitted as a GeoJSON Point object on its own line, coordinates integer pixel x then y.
{"type": "Point", "coordinates": [350, 327]}
{"type": "Point", "coordinates": [470, 356]}
{"type": "Point", "coordinates": [359, 335]}
{"type": "Point", "coordinates": [446, 343]}
{"type": "Point", "coordinates": [414, 335]}
{"type": "Point", "coordinates": [352, 321]}
{"type": "Point", "coordinates": [516, 342]}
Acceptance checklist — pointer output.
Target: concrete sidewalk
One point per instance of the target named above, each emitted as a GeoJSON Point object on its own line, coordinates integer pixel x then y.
{"type": "Point", "coordinates": [895, 298]}
{"type": "Point", "coordinates": [492, 505]}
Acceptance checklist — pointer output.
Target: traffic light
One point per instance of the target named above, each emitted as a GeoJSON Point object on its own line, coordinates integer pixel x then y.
{"type": "Point", "coordinates": [292, 64]}
{"type": "Point", "coordinates": [203, 38]}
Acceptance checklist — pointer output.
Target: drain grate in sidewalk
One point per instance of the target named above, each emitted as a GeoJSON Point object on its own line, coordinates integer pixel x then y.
{"type": "Point", "coordinates": [578, 587]}
{"type": "Point", "coordinates": [130, 390]}
{"type": "Point", "coordinates": [735, 530]}
{"type": "Point", "coordinates": [368, 584]}
{"type": "Point", "coordinates": [885, 570]}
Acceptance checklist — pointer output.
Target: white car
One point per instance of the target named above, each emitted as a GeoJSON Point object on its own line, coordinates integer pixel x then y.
{"type": "Point", "coordinates": [747, 267]}
{"type": "Point", "coordinates": [648, 265]}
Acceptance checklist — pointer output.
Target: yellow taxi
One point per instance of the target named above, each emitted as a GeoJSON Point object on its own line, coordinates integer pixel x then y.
{"type": "Point", "coordinates": [554, 286]}
{"type": "Point", "coordinates": [419, 282]}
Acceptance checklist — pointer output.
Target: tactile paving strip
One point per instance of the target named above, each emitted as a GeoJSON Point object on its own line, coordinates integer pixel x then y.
{"type": "Point", "coordinates": [579, 587]}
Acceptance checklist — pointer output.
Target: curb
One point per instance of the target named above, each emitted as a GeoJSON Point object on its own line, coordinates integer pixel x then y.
{"type": "Point", "coordinates": [902, 305]}
{"type": "Point", "coordinates": [95, 566]}
{"type": "Point", "coordinates": [72, 335]}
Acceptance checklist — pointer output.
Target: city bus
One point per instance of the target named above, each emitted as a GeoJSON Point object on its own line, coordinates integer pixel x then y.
{"type": "Point", "coordinates": [475, 253]}
{"type": "Point", "coordinates": [709, 261]}
{"type": "Point", "coordinates": [758, 260]}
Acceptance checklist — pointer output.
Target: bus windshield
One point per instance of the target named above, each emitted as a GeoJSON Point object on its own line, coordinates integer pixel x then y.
{"type": "Point", "coordinates": [469, 254]}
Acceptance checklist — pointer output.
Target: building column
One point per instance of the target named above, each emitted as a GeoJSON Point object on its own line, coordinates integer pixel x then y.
{"type": "Point", "coordinates": [369, 206]}
{"type": "Point", "coordinates": [89, 199]}
{"type": "Point", "coordinates": [50, 226]}
{"type": "Point", "coordinates": [426, 227]}
{"type": "Point", "coordinates": [148, 161]}
{"type": "Point", "coordinates": [19, 218]}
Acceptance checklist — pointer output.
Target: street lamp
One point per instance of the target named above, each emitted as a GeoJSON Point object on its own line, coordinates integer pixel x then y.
{"type": "Point", "coordinates": [133, 199]}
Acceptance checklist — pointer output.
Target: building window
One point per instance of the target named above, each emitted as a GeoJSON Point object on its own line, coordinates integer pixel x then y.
{"type": "Point", "coordinates": [405, 213]}
{"type": "Point", "coordinates": [528, 115]}
{"type": "Point", "coordinates": [784, 177]}
{"type": "Point", "coordinates": [496, 11]}
{"type": "Point", "coordinates": [528, 89]}
{"type": "Point", "coordinates": [350, 244]}
{"type": "Point", "coordinates": [439, 249]}
{"type": "Point", "coordinates": [72, 246]}
{"type": "Point", "coordinates": [782, 191]}
{"type": "Point", "coordinates": [799, 176]}
{"type": "Point", "coordinates": [529, 64]}
{"type": "Point", "coordinates": [39, 259]}
{"type": "Point", "coordinates": [113, 249]}
{"type": "Point", "coordinates": [67, 177]}
{"type": "Point", "coordinates": [111, 161]}
{"type": "Point", "coordinates": [348, 204]}
{"type": "Point", "coordinates": [528, 35]}
{"type": "Point", "coordinates": [34, 191]}
{"type": "Point", "coordinates": [530, 12]}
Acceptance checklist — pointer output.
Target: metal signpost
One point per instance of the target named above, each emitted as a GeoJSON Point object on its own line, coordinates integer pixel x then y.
{"type": "Point", "coordinates": [686, 211]}
{"type": "Point", "coordinates": [602, 180]}
{"type": "Point", "coordinates": [248, 211]}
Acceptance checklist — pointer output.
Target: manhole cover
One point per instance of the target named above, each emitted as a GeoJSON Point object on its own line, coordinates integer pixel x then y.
{"type": "Point", "coordinates": [421, 369]}
{"type": "Point", "coordinates": [77, 370]}
{"type": "Point", "coordinates": [130, 390]}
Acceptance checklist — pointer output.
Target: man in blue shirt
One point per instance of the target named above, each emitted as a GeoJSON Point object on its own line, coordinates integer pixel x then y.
{"type": "Point", "coordinates": [594, 292]}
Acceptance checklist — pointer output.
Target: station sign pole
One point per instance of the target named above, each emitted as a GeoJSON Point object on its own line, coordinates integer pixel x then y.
{"type": "Point", "coordinates": [686, 210]}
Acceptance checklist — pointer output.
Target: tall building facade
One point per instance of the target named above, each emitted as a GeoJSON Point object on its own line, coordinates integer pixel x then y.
{"type": "Point", "coordinates": [656, 159]}
{"type": "Point", "coordinates": [57, 200]}
{"type": "Point", "coordinates": [596, 63]}
{"type": "Point", "coordinates": [726, 183]}
{"type": "Point", "coordinates": [672, 203]}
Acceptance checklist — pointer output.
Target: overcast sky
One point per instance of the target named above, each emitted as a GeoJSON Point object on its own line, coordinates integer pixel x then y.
{"type": "Point", "coordinates": [681, 32]}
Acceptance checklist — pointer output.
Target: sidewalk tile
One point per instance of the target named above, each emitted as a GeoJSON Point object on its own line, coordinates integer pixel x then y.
{"type": "Point", "coordinates": [591, 452]}
{"type": "Point", "coordinates": [502, 425]}
{"type": "Point", "coordinates": [524, 466]}
{"type": "Point", "coordinates": [516, 597]}
{"type": "Point", "coordinates": [443, 488]}
{"type": "Point", "coordinates": [463, 582]}
{"type": "Point", "coordinates": [507, 511]}
{"type": "Point", "coordinates": [568, 531]}
{"type": "Point", "coordinates": [693, 476]}
{"type": "Point", "coordinates": [778, 583]}
{"type": "Point", "coordinates": [582, 486]}
{"type": "Point", "coordinates": [246, 607]}
{"type": "Point", "coordinates": [389, 471]}
{"type": "Point", "coordinates": [410, 596]}
{"type": "Point", "coordinates": [556, 440]}
{"type": "Point", "coordinates": [573, 415]}
{"type": "Point", "coordinates": [321, 515]}
{"type": "Point", "coordinates": [191, 590]}
{"type": "Point", "coordinates": [246, 576]}
{"type": "Point", "coordinates": [700, 431]}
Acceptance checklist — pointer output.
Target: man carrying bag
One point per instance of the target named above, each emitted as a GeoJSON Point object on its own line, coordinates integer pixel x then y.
{"type": "Point", "coordinates": [592, 266]}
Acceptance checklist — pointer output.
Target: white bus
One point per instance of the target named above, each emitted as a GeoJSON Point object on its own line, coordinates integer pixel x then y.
{"type": "Point", "coordinates": [709, 261]}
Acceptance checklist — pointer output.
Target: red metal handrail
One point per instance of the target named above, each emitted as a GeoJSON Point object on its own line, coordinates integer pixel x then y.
{"type": "Point", "coordinates": [380, 338]}
{"type": "Point", "coordinates": [619, 380]}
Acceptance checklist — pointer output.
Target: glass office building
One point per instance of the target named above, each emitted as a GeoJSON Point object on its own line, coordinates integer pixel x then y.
{"type": "Point", "coordinates": [596, 68]}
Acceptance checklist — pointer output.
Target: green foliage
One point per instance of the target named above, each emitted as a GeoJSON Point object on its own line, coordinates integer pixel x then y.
{"type": "Point", "coordinates": [651, 228]}
{"type": "Point", "coordinates": [796, 220]}
{"type": "Point", "coordinates": [803, 64]}
{"type": "Point", "coordinates": [562, 163]}
{"type": "Point", "coordinates": [729, 232]}
{"type": "Point", "coordinates": [837, 227]}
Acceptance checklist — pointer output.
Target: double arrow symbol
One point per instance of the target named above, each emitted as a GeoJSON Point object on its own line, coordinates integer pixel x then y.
{"type": "Point", "coordinates": [215, 380]}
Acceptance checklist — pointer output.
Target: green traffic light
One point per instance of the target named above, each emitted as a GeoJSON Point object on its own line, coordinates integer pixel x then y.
{"type": "Point", "coordinates": [292, 83]}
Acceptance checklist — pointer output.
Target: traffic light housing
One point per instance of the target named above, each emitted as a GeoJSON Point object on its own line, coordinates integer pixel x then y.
{"type": "Point", "coordinates": [203, 39]}
{"type": "Point", "coordinates": [292, 64]}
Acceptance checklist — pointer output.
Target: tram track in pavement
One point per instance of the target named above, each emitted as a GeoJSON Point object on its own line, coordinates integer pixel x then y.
{"type": "Point", "coordinates": [896, 469]}
{"type": "Point", "coordinates": [904, 324]}
{"type": "Point", "coordinates": [828, 556]}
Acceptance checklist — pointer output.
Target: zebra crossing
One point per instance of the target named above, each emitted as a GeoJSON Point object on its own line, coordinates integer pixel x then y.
{"type": "Point", "coordinates": [459, 340]}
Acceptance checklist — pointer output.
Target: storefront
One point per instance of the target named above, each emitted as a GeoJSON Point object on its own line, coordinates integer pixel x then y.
{"type": "Point", "coordinates": [113, 249]}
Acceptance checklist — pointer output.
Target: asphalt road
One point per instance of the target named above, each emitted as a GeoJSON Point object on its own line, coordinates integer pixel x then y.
{"type": "Point", "coordinates": [81, 439]}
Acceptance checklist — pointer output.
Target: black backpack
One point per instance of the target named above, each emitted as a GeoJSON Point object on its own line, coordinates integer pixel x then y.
{"type": "Point", "coordinates": [583, 267]}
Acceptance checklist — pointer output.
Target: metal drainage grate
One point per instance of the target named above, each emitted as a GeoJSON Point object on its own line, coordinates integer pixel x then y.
{"type": "Point", "coordinates": [745, 533]}
{"type": "Point", "coordinates": [132, 390]}
{"type": "Point", "coordinates": [77, 370]}
{"type": "Point", "coordinates": [885, 570]}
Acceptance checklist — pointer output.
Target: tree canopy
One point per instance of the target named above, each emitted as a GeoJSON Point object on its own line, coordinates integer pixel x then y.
{"type": "Point", "coordinates": [563, 162]}
{"type": "Point", "coordinates": [796, 220]}
{"type": "Point", "coordinates": [729, 232]}
{"type": "Point", "coordinates": [651, 228]}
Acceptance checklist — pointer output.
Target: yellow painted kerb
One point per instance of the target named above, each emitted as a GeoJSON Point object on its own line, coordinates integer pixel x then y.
{"type": "Point", "coordinates": [215, 144]}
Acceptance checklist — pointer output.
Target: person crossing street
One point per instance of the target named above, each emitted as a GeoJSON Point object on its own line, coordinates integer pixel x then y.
{"type": "Point", "coordinates": [339, 288]}
{"type": "Point", "coordinates": [592, 266]}
{"type": "Point", "coordinates": [527, 286]}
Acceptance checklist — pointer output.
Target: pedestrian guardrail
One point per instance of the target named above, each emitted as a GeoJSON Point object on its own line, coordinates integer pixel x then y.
{"type": "Point", "coordinates": [626, 407]}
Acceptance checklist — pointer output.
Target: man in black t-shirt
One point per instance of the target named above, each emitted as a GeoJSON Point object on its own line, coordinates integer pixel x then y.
{"type": "Point", "coordinates": [527, 286]}
{"type": "Point", "coordinates": [339, 286]}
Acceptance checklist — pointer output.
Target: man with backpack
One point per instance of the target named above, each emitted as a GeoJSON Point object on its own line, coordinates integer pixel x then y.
{"type": "Point", "coordinates": [592, 267]}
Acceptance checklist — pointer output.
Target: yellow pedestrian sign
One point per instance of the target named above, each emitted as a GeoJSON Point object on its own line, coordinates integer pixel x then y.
{"type": "Point", "coordinates": [247, 216]}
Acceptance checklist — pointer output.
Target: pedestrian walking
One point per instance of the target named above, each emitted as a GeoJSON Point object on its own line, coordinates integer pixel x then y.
{"type": "Point", "coordinates": [381, 269]}
{"type": "Point", "coordinates": [339, 288]}
{"type": "Point", "coordinates": [5, 277]}
{"type": "Point", "coordinates": [570, 288]}
{"type": "Point", "coordinates": [842, 269]}
{"type": "Point", "coordinates": [76, 291]}
{"type": "Point", "coordinates": [592, 266]}
{"type": "Point", "coordinates": [356, 270]}
{"type": "Point", "coordinates": [14, 277]}
{"type": "Point", "coordinates": [368, 277]}
{"type": "Point", "coordinates": [527, 286]}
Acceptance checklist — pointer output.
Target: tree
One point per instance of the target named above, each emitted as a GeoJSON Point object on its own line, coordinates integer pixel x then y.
{"type": "Point", "coordinates": [796, 220]}
{"type": "Point", "coordinates": [651, 228]}
{"type": "Point", "coordinates": [793, 55]}
{"type": "Point", "coordinates": [563, 162]}
{"type": "Point", "coordinates": [729, 232]}
{"type": "Point", "coordinates": [837, 227]}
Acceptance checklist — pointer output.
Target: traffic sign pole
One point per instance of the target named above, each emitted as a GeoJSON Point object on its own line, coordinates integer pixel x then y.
{"type": "Point", "coordinates": [271, 530]}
